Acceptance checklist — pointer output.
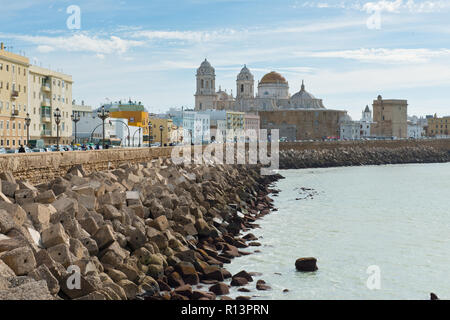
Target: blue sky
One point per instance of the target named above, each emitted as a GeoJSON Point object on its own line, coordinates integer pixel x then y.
{"type": "Point", "coordinates": [149, 50]}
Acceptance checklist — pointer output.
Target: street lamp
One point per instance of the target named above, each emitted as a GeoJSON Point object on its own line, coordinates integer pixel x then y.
{"type": "Point", "coordinates": [134, 134]}
{"type": "Point", "coordinates": [104, 114]}
{"type": "Point", "coordinates": [27, 123]}
{"type": "Point", "coordinates": [149, 133]}
{"type": "Point", "coordinates": [161, 128]}
{"type": "Point", "coordinates": [57, 115]}
{"type": "Point", "coordinates": [75, 118]}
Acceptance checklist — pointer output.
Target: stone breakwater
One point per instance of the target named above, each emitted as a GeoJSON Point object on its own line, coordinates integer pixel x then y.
{"type": "Point", "coordinates": [149, 230]}
{"type": "Point", "coordinates": [360, 155]}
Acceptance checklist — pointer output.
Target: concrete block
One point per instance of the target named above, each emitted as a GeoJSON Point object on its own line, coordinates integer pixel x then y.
{"type": "Point", "coordinates": [20, 260]}
{"type": "Point", "coordinates": [54, 235]}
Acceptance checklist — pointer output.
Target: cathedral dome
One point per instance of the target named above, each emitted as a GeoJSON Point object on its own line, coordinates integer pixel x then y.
{"type": "Point", "coordinates": [273, 77]}
{"type": "Point", "coordinates": [305, 100]}
{"type": "Point", "coordinates": [205, 68]}
{"type": "Point", "coordinates": [245, 74]}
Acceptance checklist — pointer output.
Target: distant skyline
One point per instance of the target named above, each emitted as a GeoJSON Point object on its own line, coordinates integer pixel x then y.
{"type": "Point", "coordinates": [149, 50]}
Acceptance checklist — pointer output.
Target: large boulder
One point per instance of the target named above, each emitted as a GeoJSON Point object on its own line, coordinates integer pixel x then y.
{"type": "Point", "coordinates": [31, 290]}
{"type": "Point", "coordinates": [54, 235]}
{"type": "Point", "coordinates": [20, 260]}
{"type": "Point", "coordinates": [306, 264]}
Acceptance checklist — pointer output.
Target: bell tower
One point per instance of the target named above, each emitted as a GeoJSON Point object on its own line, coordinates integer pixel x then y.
{"type": "Point", "coordinates": [205, 95]}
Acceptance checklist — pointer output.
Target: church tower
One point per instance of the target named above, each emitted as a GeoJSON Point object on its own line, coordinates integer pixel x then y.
{"type": "Point", "coordinates": [205, 95]}
{"type": "Point", "coordinates": [245, 84]}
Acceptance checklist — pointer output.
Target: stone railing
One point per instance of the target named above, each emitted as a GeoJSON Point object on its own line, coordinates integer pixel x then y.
{"type": "Point", "coordinates": [41, 166]}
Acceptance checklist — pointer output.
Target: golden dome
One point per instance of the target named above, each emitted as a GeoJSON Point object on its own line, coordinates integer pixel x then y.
{"type": "Point", "coordinates": [273, 77]}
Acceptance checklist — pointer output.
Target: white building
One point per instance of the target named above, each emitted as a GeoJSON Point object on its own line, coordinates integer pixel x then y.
{"type": "Point", "coordinates": [416, 127]}
{"type": "Point", "coordinates": [349, 130]}
{"type": "Point", "coordinates": [197, 126]}
{"type": "Point", "coordinates": [365, 123]}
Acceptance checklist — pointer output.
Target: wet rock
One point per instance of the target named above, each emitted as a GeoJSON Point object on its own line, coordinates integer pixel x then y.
{"type": "Point", "coordinates": [185, 290]}
{"type": "Point", "coordinates": [175, 280]}
{"type": "Point", "coordinates": [202, 295]}
{"type": "Point", "coordinates": [244, 274]}
{"type": "Point", "coordinates": [433, 296]}
{"type": "Point", "coordinates": [306, 264]}
{"type": "Point", "coordinates": [238, 282]}
{"type": "Point", "coordinates": [261, 285]}
{"type": "Point", "coordinates": [243, 298]}
{"type": "Point", "coordinates": [219, 289]}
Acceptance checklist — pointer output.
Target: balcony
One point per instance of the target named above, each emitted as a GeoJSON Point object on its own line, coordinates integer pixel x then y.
{"type": "Point", "coordinates": [46, 87]}
{"type": "Point", "coordinates": [45, 103]}
{"type": "Point", "coordinates": [46, 114]}
{"type": "Point", "coordinates": [14, 112]}
{"type": "Point", "coordinates": [46, 133]}
{"type": "Point", "coordinates": [14, 94]}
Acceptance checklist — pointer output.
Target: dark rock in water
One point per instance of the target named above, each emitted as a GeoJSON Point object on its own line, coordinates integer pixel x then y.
{"type": "Point", "coordinates": [243, 290]}
{"type": "Point", "coordinates": [244, 274]}
{"type": "Point", "coordinates": [261, 285]}
{"type": "Point", "coordinates": [238, 282]}
{"type": "Point", "coordinates": [306, 264]}
{"type": "Point", "coordinates": [433, 296]}
{"type": "Point", "coordinates": [219, 289]}
{"type": "Point", "coordinates": [243, 298]}
{"type": "Point", "coordinates": [286, 290]}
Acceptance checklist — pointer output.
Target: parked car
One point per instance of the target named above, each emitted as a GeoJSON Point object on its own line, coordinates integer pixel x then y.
{"type": "Point", "coordinates": [38, 150]}
{"type": "Point", "coordinates": [2, 150]}
{"type": "Point", "coordinates": [12, 151]}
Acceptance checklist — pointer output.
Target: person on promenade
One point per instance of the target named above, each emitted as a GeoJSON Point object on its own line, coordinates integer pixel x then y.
{"type": "Point", "coordinates": [21, 149]}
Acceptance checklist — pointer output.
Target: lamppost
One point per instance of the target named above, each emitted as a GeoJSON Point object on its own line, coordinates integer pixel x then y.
{"type": "Point", "coordinates": [57, 115]}
{"type": "Point", "coordinates": [149, 133]}
{"type": "Point", "coordinates": [139, 130]}
{"type": "Point", "coordinates": [27, 123]}
{"type": "Point", "coordinates": [161, 128]}
{"type": "Point", "coordinates": [104, 114]}
{"type": "Point", "coordinates": [75, 118]}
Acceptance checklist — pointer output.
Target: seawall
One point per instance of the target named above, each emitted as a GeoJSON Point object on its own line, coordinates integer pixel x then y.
{"type": "Point", "coordinates": [39, 167]}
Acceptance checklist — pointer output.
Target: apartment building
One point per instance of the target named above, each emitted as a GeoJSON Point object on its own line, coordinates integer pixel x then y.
{"type": "Point", "coordinates": [13, 98]}
{"type": "Point", "coordinates": [49, 90]}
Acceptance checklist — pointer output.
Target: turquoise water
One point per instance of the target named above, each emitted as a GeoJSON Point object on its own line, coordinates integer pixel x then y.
{"type": "Point", "coordinates": [395, 217]}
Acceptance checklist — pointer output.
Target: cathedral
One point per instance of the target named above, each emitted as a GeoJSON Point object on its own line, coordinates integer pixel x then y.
{"type": "Point", "coordinates": [273, 93]}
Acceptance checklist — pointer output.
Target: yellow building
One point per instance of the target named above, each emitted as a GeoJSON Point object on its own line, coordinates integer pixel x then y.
{"type": "Point", "coordinates": [13, 98]}
{"type": "Point", "coordinates": [49, 90]}
{"type": "Point", "coordinates": [135, 113]}
{"type": "Point", "coordinates": [235, 126]}
{"type": "Point", "coordinates": [235, 120]}
{"type": "Point", "coordinates": [166, 135]}
{"type": "Point", "coordinates": [438, 127]}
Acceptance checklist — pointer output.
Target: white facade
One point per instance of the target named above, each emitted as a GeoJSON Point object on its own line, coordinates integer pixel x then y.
{"type": "Point", "coordinates": [415, 131]}
{"type": "Point", "coordinates": [349, 130]}
{"type": "Point", "coordinates": [365, 123]}
{"type": "Point", "coordinates": [197, 126]}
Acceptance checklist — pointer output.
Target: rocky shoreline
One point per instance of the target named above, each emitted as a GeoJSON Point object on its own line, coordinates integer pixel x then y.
{"type": "Point", "coordinates": [360, 156]}
{"type": "Point", "coordinates": [150, 231]}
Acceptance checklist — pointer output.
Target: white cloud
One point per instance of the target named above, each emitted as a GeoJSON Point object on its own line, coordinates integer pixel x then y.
{"type": "Point", "coordinates": [45, 49]}
{"type": "Point", "coordinates": [79, 42]}
{"type": "Point", "coordinates": [381, 5]}
{"type": "Point", "coordinates": [382, 55]}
